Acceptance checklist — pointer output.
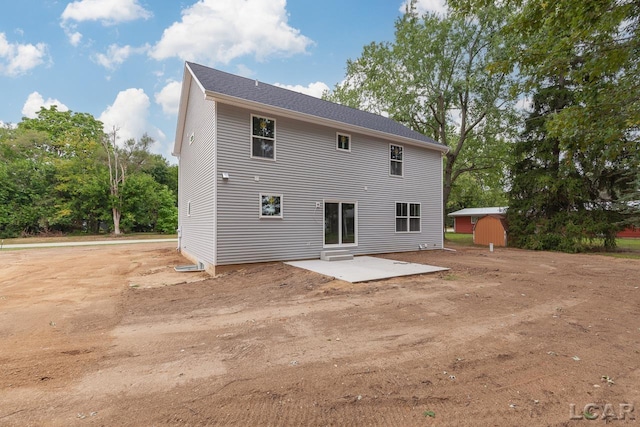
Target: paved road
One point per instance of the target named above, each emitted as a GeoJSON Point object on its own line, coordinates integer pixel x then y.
{"type": "Point", "coordinates": [84, 243]}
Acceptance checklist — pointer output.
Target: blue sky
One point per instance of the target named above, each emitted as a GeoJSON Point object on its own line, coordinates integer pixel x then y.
{"type": "Point", "coordinates": [122, 60]}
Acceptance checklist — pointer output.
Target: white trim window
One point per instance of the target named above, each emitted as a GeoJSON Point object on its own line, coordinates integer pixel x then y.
{"type": "Point", "coordinates": [408, 217]}
{"type": "Point", "coordinates": [343, 142]}
{"type": "Point", "coordinates": [263, 137]}
{"type": "Point", "coordinates": [270, 205]}
{"type": "Point", "coordinates": [396, 160]}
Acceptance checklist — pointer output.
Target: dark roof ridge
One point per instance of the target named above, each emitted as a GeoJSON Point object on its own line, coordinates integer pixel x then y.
{"type": "Point", "coordinates": [248, 89]}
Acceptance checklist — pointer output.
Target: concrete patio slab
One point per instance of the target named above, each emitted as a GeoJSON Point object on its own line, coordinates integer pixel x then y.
{"type": "Point", "coordinates": [365, 268]}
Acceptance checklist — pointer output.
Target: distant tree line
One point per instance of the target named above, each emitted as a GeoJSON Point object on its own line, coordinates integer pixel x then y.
{"type": "Point", "coordinates": [55, 178]}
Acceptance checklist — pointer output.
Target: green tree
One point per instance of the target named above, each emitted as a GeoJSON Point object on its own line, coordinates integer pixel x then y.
{"type": "Point", "coordinates": [596, 45]}
{"type": "Point", "coordinates": [589, 49]}
{"type": "Point", "coordinates": [82, 191]}
{"type": "Point", "coordinates": [67, 131]}
{"type": "Point", "coordinates": [163, 173]}
{"type": "Point", "coordinates": [65, 145]}
{"type": "Point", "coordinates": [28, 176]}
{"type": "Point", "coordinates": [561, 197]}
{"type": "Point", "coordinates": [125, 163]}
{"type": "Point", "coordinates": [473, 191]}
{"type": "Point", "coordinates": [60, 173]}
{"type": "Point", "coordinates": [148, 205]}
{"type": "Point", "coordinates": [438, 78]}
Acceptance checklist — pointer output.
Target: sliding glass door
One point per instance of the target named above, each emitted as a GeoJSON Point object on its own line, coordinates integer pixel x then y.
{"type": "Point", "coordinates": [340, 223]}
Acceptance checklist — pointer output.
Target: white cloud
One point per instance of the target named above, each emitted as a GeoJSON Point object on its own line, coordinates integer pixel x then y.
{"type": "Point", "coordinates": [17, 59]}
{"type": "Point", "coordinates": [35, 101]}
{"type": "Point", "coordinates": [128, 113]}
{"type": "Point", "coordinates": [314, 89]}
{"type": "Point", "coordinates": [169, 98]}
{"type": "Point", "coordinates": [116, 55]}
{"type": "Point", "coordinates": [109, 12]}
{"type": "Point", "coordinates": [217, 31]}
{"type": "Point", "coordinates": [8, 125]}
{"type": "Point", "coordinates": [244, 71]}
{"type": "Point", "coordinates": [74, 36]}
{"type": "Point", "coordinates": [422, 6]}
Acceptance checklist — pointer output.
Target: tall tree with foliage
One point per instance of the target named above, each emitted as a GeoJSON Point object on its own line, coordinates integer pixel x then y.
{"type": "Point", "coordinates": [68, 131]}
{"type": "Point", "coordinates": [148, 205]}
{"type": "Point", "coordinates": [562, 198]}
{"type": "Point", "coordinates": [545, 183]}
{"type": "Point", "coordinates": [437, 78]}
{"type": "Point", "coordinates": [64, 144]}
{"type": "Point", "coordinates": [133, 157]}
{"type": "Point", "coordinates": [25, 179]}
{"type": "Point", "coordinates": [590, 48]}
{"type": "Point", "coordinates": [595, 44]}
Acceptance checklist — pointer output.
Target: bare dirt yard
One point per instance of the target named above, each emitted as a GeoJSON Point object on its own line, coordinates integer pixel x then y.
{"type": "Point", "coordinates": [111, 335]}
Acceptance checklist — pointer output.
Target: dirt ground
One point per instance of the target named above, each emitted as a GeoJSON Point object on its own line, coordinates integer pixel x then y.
{"type": "Point", "coordinates": [111, 335]}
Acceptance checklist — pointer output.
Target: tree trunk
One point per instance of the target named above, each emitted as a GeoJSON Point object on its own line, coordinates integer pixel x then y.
{"type": "Point", "coordinates": [116, 220]}
{"type": "Point", "coordinates": [446, 192]}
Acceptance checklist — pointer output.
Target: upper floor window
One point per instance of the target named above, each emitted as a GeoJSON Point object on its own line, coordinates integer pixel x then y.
{"type": "Point", "coordinates": [395, 160]}
{"type": "Point", "coordinates": [343, 142]}
{"type": "Point", "coordinates": [263, 137]}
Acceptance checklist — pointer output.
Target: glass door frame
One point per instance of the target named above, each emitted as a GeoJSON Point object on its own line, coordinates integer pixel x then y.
{"type": "Point", "coordinates": [339, 202]}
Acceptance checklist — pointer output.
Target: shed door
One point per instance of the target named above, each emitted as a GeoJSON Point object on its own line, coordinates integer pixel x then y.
{"type": "Point", "coordinates": [489, 229]}
{"type": "Point", "coordinates": [340, 223]}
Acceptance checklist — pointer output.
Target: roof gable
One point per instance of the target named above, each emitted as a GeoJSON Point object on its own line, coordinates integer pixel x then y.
{"type": "Point", "coordinates": [219, 84]}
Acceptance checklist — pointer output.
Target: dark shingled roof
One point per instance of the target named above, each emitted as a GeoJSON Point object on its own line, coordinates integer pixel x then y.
{"type": "Point", "coordinates": [217, 81]}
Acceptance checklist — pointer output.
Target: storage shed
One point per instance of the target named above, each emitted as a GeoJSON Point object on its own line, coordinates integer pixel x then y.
{"type": "Point", "coordinates": [465, 219]}
{"type": "Point", "coordinates": [490, 229]}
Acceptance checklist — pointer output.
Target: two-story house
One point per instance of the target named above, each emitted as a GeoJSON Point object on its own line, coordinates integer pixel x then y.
{"type": "Point", "coordinates": [269, 174]}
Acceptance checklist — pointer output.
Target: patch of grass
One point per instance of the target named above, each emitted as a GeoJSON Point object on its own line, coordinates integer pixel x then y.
{"type": "Point", "coordinates": [88, 237]}
{"type": "Point", "coordinates": [629, 243]}
{"type": "Point", "coordinates": [627, 255]}
{"type": "Point", "coordinates": [626, 247]}
{"type": "Point", "coordinates": [459, 238]}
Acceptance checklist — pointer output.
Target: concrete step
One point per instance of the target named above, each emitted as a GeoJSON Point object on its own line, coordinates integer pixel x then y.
{"type": "Point", "coordinates": [336, 255]}
{"type": "Point", "coordinates": [339, 257]}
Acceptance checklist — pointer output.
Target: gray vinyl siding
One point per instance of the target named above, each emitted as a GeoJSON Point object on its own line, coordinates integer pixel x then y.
{"type": "Point", "coordinates": [309, 169]}
{"type": "Point", "coordinates": [196, 178]}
